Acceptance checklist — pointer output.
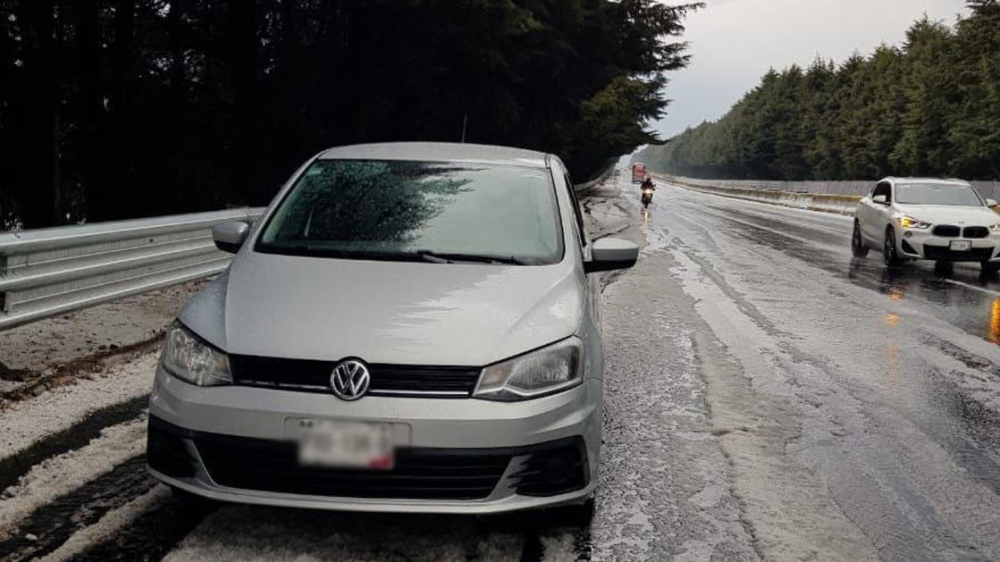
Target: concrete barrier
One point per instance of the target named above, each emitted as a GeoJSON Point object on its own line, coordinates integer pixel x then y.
{"type": "Point", "coordinates": [829, 203]}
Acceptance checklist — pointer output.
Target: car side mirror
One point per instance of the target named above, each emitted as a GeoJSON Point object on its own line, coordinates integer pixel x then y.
{"type": "Point", "coordinates": [229, 236]}
{"type": "Point", "coordinates": [610, 254]}
{"type": "Point", "coordinates": [880, 199]}
{"type": "Point", "coordinates": [991, 202]}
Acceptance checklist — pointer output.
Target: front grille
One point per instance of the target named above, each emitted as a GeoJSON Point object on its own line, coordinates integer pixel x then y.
{"type": "Point", "coordinates": [386, 380]}
{"type": "Point", "coordinates": [946, 254]}
{"type": "Point", "coordinates": [976, 232]}
{"type": "Point", "coordinates": [272, 466]}
{"type": "Point", "coordinates": [947, 231]}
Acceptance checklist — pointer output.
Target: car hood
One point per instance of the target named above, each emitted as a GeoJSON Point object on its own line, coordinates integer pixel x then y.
{"type": "Point", "coordinates": [386, 312]}
{"type": "Point", "coordinates": [951, 214]}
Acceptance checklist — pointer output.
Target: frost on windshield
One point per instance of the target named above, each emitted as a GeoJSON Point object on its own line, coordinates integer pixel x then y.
{"type": "Point", "coordinates": [377, 208]}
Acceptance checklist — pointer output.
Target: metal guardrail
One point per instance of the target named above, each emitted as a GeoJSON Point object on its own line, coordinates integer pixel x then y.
{"type": "Point", "coordinates": [51, 271]}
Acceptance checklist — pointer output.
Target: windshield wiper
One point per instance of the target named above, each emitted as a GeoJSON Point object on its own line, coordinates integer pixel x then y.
{"type": "Point", "coordinates": [301, 249]}
{"type": "Point", "coordinates": [447, 257]}
{"type": "Point", "coordinates": [308, 250]}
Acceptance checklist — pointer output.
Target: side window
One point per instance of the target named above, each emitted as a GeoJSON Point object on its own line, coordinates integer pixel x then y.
{"type": "Point", "coordinates": [576, 210]}
{"type": "Point", "coordinates": [885, 189]}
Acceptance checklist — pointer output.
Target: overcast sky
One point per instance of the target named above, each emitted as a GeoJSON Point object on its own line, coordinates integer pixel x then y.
{"type": "Point", "coordinates": [734, 42]}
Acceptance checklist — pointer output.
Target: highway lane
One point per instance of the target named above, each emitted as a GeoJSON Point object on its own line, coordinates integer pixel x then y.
{"type": "Point", "coordinates": [882, 385]}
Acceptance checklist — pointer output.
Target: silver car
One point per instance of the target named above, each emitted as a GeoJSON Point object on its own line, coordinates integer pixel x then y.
{"type": "Point", "coordinates": [410, 327]}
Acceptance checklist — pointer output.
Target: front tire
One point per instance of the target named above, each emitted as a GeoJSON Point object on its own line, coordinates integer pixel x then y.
{"type": "Point", "coordinates": [889, 251]}
{"type": "Point", "coordinates": [858, 247]}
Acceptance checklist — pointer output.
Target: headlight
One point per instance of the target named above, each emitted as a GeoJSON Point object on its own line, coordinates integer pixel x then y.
{"type": "Point", "coordinates": [546, 371]}
{"type": "Point", "coordinates": [995, 228]}
{"type": "Point", "coordinates": [910, 222]}
{"type": "Point", "coordinates": [188, 358]}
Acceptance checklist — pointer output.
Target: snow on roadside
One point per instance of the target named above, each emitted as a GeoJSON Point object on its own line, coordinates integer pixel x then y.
{"type": "Point", "coordinates": [109, 525]}
{"type": "Point", "coordinates": [62, 474]}
{"type": "Point", "coordinates": [25, 423]}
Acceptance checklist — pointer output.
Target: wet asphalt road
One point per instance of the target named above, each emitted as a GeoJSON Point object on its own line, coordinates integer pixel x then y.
{"type": "Point", "coordinates": [865, 402]}
{"type": "Point", "coordinates": [768, 397]}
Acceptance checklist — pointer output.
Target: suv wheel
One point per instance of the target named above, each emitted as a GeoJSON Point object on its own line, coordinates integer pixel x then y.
{"type": "Point", "coordinates": [889, 251]}
{"type": "Point", "coordinates": [858, 247]}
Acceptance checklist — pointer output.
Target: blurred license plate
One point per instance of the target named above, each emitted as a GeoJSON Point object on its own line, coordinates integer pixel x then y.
{"type": "Point", "coordinates": [961, 245]}
{"type": "Point", "coordinates": [346, 444]}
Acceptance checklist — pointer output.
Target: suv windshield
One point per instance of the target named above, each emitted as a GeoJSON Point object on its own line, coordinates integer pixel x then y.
{"type": "Point", "coordinates": [418, 211]}
{"type": "Point", "coordinates": [937, 194]}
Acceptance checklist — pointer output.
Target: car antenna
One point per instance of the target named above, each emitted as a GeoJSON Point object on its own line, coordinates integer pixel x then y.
{"type": "Point", "coordinates": [465, 123]}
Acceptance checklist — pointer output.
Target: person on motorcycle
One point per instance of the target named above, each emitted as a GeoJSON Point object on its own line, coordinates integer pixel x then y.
{"type": "Point", "coordinates": [647, 189]}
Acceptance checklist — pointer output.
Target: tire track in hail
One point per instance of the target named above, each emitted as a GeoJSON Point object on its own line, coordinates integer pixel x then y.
{"type": "Point", "coordinates": [12, 468]}
{"type": "Point", "coordinates": [50, 525]}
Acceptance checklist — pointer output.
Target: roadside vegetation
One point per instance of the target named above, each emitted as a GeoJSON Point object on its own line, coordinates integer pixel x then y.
{"type": "Point", "coordinates": [930, 107]}
{"type": "Point", "coordinates": [125, 108]}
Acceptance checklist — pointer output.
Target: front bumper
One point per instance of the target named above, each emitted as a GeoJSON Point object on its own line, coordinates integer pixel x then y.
{"type": "Point", "coordinates": [457, 456]}
{"type": "Point", "coordinates": [923, 244]}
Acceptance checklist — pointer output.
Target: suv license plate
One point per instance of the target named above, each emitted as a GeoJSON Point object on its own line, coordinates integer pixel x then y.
{"type": "Point", "coordinates": [346, 444]}
{"type": "Point", "coordinates": [961, 245]}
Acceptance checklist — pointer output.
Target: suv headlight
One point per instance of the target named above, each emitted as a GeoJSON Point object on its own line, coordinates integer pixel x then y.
{"type": "Point", "coordinates": [995, 227]}
{"type": "Point", "coordinates": [189, 358]}
{"type": "Point", "coordinates": [538, 373]}
{"type": "Point", "coordinates": [910, 222]}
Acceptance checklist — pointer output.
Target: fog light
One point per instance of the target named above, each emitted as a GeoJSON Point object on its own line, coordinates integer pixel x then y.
{"type": "Point", "coordinates": [908, 234]}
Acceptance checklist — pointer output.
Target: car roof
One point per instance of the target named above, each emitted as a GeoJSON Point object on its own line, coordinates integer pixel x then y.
{"type": "Point", "coordinates": [438, 152]}
{"type": "Point", "coordinates": [928, 180]}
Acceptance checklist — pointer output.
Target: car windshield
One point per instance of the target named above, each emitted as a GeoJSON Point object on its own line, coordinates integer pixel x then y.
{"type": "Point", "coordinates": [418, 211]}
{"type": "Point", "coordinates": [937, 194]}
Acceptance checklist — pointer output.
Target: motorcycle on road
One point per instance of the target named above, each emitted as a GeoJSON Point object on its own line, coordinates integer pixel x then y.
{"type": "Point", "coordinates": [647, 188]}
{"type": "Point", "coordinates": [647, 197]}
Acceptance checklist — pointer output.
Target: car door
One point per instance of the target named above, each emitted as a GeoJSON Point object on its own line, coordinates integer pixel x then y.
{"type": "Point", "coordinates": [876, 214]}
{"type": "Point", "coordinates": [883, 212]}
{"type": "Point", "coordinates": [864, 211]}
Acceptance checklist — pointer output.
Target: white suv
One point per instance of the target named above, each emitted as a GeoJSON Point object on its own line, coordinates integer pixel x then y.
{"type": "Point", "coordinates": [942, 220]}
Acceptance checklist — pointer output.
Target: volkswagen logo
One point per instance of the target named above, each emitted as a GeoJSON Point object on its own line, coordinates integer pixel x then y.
{"type": "Point", "coordinates": [350, 379]}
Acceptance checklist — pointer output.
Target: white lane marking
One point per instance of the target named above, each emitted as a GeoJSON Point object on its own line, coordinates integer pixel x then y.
{"type": "Point", "coordinates": [107, 526]}
{"type": "Point", "coordinates": [973, 287]}
{"type": "Point", "coordinates": [62, 474]}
